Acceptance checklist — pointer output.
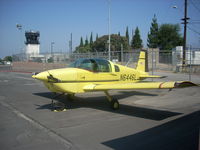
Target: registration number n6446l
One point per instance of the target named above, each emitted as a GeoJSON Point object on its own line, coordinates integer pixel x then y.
{"type": "Point", "coordinates": [125, 77]}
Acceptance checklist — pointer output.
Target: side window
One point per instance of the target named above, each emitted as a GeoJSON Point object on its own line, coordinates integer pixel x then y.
{"type": "Point", "coordinates": [104, 65]}
{"type": "Point", "coordinates": [94, 66]}
{"type": "Point", "coordinates": [86, 64]}
{"type": "Point", "coordinates": [117, 68]}
{"type": "Point", "coordinates": [75, 64]}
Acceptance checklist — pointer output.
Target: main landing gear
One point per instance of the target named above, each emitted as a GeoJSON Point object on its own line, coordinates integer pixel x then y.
{"type": "Point", "coordinates": [114, 104]}
{"type": "Point", "coordinates": [71, 97]}
{"type": "Point", "coordinates": [59, 106]}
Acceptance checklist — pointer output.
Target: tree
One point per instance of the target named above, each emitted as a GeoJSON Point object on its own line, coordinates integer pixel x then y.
{"type": "Point", "coordinates": [152, 40]}
{"type": "Point", "coordinates": [83, 49]}
{"type": "Point", "coordinates": [127, 34]}
{"type": "Point", "coordinates": [91, 39]}
{"type": "Point", "coordinates": [8, 58]}
{"type": "Point", "coordinates": [118, 33]}
{"type": "Point", "coordinates": [101, 44]}
{"type": "Point", "coordinates": [86, 41]}
{"type": "Point", "coordinates": [81, 42]}
{"type": "Point", "coordinates": [136, 41]}
{"type": "Point", "coordinates": [97, 36]}
{"type": "Point", "coordinates": [169, 36]}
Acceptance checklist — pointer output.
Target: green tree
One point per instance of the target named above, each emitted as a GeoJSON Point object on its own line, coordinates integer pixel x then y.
{"type": "Point", "coordinates": [136, 40]}
{"type": "Point", "coordinates": [152, 40]}
{"type": "Point", "coordinates": [169, 36]}
{"type": "Point", "coordinates": [127, 34]}
{"type": "Point", "coordinates": [118, 33]}
{"type": "Point", "coordinates": [101, 44]}
{"type": "Point", "coordinates": [8, 58]}
{"type": "Point", "coordinates": [81, 42]}
{"type": "Point", "coordinates": [91, 39]}
{"type": "Point", "coordinates": [97, 36]}
{"type": "Point", "coordinates": [83, 49]}
{"type": "Point", "coordinates": [86, 41]}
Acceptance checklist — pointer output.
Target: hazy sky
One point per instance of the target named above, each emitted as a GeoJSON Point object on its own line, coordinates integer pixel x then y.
{"type": "Point", "coordinates": [56, 19]}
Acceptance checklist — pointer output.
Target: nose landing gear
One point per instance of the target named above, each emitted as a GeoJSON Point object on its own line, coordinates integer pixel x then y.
{"type": "Point", "coordinates": [57, 106]}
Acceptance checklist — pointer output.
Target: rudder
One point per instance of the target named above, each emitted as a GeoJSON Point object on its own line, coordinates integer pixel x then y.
{"type": "Point", "coordinates": [142, 64]}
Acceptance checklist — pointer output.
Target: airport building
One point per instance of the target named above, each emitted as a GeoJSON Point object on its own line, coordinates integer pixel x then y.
{"type": "Point", "coordinates": [32, 43]}
{"type": "Point", "coordinates": [32, 48]}
{"type": "Point", "coordinates": [33, 53]}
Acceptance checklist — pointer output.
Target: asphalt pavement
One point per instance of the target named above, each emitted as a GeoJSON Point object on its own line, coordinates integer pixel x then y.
{"type": "Point", "coordinates": [147, 119]}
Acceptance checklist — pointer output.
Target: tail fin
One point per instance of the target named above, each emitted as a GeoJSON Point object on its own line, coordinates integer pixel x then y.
{"type": "Point", "coordinates": [142, 62]}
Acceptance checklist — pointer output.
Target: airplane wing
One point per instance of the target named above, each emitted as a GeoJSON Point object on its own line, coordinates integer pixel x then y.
{"type": "Point", "coordinates": [138, 85]}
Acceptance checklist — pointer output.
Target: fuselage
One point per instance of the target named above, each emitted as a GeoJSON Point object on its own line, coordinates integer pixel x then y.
{"type": "Point", "coordinates": [81, 74]}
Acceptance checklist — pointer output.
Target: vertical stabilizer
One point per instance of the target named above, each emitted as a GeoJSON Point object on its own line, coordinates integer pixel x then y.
{"type": "Point", "coordinates": [142, 62]}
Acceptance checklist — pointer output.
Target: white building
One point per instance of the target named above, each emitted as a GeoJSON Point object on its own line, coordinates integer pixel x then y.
{"type": "Point", "coordinates": [192, 56]}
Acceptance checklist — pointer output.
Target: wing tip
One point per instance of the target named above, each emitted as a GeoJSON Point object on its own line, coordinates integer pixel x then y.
{"type": "Point", "coordinates": [184, 84]}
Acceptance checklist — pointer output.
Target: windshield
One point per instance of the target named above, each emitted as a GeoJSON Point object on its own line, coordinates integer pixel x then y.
{"type": "Point", "coordinates": [95, 65]}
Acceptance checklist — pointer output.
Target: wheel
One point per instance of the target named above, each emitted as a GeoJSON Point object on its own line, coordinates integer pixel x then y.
{"type": "Point", "coordinates": [58, 106]}
{"type": "Point", "coordinates": [114, 104]}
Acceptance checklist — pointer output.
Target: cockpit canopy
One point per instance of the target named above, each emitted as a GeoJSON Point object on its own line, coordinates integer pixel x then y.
{"type": "Point", "coordinates": [95, 65]}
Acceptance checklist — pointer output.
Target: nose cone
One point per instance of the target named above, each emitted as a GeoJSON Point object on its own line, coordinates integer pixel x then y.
{"type": "Point", "coordinates": [41, 76]}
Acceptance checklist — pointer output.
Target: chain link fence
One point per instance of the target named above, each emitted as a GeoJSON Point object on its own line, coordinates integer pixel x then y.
{"type": "Point", "coordinates": [158, 60]}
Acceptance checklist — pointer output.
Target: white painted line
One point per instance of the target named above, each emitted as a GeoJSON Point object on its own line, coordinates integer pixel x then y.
{"type": "Point", "coordinates": [25, 78]}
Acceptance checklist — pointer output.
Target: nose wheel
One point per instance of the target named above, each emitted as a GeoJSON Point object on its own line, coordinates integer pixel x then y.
{"type": "Point", "coordinates": [57, 106]}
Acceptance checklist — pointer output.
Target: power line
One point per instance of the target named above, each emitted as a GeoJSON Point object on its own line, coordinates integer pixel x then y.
{"type": "Point", "coordinates": [193, 30]}
{"type": "Point", "coordinates": [194, 22]}
{"type": "Point", "coordinates": [195, 5]}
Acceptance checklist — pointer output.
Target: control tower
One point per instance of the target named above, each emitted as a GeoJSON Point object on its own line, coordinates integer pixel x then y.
{"type": "Point", "coordinates": [32, 43]}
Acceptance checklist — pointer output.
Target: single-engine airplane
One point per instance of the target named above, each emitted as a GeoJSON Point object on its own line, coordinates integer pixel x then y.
{"type": "Point", "coordinates": [88, 75]}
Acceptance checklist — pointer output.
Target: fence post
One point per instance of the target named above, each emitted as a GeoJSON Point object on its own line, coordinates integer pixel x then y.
{"type": "Point", "coordinates": [152, 58]}
{"type": "Point", "coordinates": [122, 57]}
{"type": "Point", "coordinates": [190, 64]}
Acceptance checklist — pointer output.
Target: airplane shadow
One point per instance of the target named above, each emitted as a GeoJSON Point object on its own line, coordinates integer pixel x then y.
{"type": "Point", "coordinates": [101, 103]}
{"type": "Point", "coordinates": [182, 133]}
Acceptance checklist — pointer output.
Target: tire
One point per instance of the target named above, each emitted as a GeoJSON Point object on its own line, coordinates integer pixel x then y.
{"type": "Point", "coordinates": [114, 104]}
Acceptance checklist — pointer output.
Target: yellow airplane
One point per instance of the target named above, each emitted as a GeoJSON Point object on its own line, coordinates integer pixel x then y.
{"type": "Point", "coordinates": [88, 75]}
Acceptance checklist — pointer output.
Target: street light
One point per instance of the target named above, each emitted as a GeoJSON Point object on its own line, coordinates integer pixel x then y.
{"type": "Point", "coordinates": [19, 27]}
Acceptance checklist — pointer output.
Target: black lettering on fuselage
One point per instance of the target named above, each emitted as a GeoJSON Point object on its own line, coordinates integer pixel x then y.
{"type": "Point", "coordinates": [127, 77]}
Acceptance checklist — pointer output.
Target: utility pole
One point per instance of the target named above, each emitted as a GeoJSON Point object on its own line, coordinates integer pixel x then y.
{"type": "Point", "coordinates": [109, 57]}
{"type": "Point", "coordinates": [185, 22]}
{"type": "Point", "coordinates": [52, 56]}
